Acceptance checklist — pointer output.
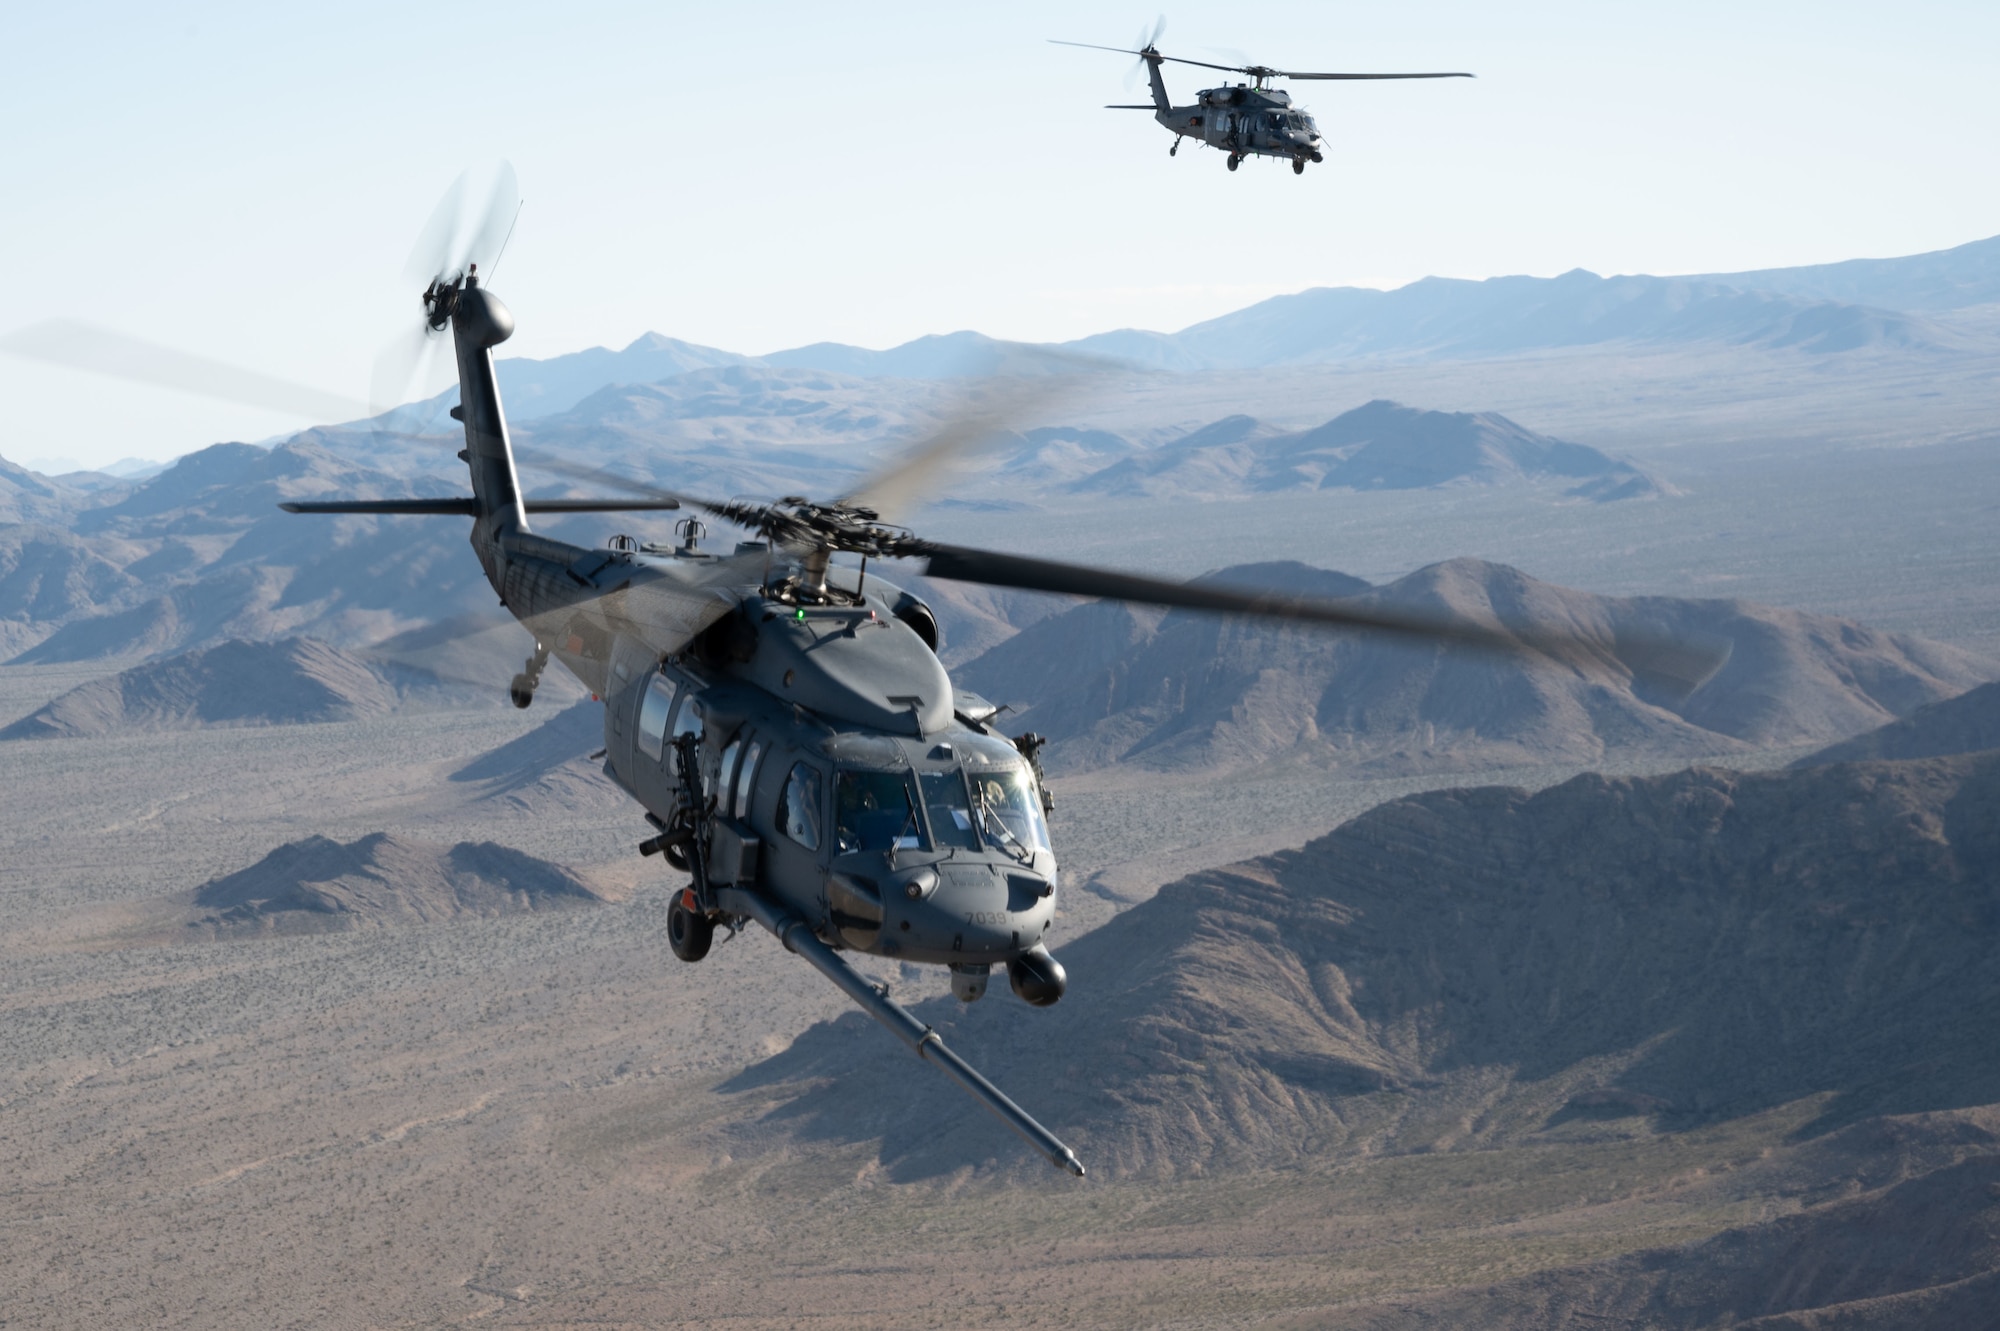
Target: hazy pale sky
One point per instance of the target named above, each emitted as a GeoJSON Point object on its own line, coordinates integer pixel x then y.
{"type": "Point", "coordinates": [244, 181]}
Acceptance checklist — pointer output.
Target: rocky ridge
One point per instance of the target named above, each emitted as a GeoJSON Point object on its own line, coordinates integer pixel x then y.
{"type": "Point", "coordinates": [1116, 684]}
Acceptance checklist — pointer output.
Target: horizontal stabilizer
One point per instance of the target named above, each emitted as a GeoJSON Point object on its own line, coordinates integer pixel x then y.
{"type": "Point", "coordinates": [470, 507]}
{"type": "Point", "coordinates": [1130, 106]}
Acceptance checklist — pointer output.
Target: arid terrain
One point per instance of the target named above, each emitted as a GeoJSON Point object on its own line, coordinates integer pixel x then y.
{"type": "Point", "coordinates": [1408, 990]}
{"type": "Point", "coordinates": [542, 1119]}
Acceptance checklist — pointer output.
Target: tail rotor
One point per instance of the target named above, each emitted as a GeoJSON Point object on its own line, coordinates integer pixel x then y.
{"type": "Point", "coordinates": [465, 237]}
{"type": "Point", "coordinates": [1149, 38]}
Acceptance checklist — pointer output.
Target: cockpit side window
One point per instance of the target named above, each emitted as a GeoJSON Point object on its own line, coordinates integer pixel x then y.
{"type": "Point", "coordinates": [875, 811]}
{"type": "Point", "coordinates": [950, 810]}
{"type": "Point", "coordinates": [798, 806]}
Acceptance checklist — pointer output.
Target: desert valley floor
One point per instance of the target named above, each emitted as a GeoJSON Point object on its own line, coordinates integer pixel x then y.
{"type": "Point", "coordinates": [543, 1119]}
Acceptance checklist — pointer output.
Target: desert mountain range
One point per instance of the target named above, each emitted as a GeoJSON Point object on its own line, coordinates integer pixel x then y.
{"type": "Point", "coordinates": [1113, 683]}
{"type": "Point", "coordinates": [200, 553]}
{"type": "Point", "coordinates": [291, 681]}
{"type": "Point", "coordinates": [1821, 309]}
{"type": "Point", "coordinates": [1472, 970]}
{"type": "Point", "coordinates": [1695, 1051]}
{"type": "Point", "coordinates": [1680, 948]}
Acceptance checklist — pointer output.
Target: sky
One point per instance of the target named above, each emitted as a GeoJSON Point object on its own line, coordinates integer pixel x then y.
{"type": "Point", "coordinates": [245, 181]}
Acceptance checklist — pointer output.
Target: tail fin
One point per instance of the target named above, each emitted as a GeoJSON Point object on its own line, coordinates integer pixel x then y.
{"type": "Point", "coordinates": [479, 324]}
{"type": "Point", "coordinates": [1161, 102]}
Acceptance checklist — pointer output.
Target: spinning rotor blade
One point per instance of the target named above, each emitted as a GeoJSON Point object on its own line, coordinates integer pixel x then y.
{"type": "Point", "coordinates": [80, 346]}
{"type": "Point", "coordinates": [1670, 663]}
{"type": "Point", "coordinates": [1093, 46]}
{"type": "Point", "coordinates": [899, 485]}
{"type": "Point", "coordinates": [1266, 72]}
{"type": "Point", "coordinates": [1288, 74]}
{"type": "Point", "coordinates": [469, 226]}
{"type": "Point", "coordinates": [637, 487]}
{"type": "Point", "coordinates": [411, 358]}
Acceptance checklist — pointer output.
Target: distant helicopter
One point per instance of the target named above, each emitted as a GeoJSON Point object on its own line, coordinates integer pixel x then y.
{"type": "Point", "coordinates": [784, 721]}
{"type": "Point", "coordinates": [1244, 120]}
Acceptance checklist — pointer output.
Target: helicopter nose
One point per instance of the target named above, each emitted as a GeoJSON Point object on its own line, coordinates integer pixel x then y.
{"type": "Point", "coordinates": [976, 911]}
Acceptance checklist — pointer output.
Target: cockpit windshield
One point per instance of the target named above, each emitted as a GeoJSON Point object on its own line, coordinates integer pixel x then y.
{"type": "Point", "coordinates": [876, 811]}
{"type": "Point", "coordinates": [950, 812]}
{"type": "Point", "coordinates": [1006, 804]}
{"type": "Point", "coordinates": [1009, 811]}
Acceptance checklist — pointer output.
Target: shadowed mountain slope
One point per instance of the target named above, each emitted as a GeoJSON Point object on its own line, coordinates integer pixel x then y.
{"type": "Point", "coordinates": [1969, 723]}
{"type": "Point", "coordinates": [201, 553]}
{"type": "Point", "coordinates": [29, 496]}
{"type": "Point", "coordinates": [1110, 684]}
{"type": "Point", "coordinates": [1479, 967]}
{"type": "Point", "coordinates": [318, 884]}
{"type": "Point", "coordinates": [288, 682]}
{"type": "Point", "coordinates": [1921, 1254]}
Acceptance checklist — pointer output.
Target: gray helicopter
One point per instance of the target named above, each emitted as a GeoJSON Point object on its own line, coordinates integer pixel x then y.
{"type": "Point", "coordinates": [1243, 120]}
{"type": "Point", "coordinates": [783, 719]}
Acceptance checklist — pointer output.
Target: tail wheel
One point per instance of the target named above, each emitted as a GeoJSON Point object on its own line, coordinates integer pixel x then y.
{"type": "Point", "coordinates": [689, 932]}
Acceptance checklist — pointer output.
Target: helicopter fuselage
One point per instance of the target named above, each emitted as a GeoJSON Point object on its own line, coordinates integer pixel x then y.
{"type": "Point", "coordinates": [841, 773]}
{"type": "Point", "coordinates": [836, 771]}
{"type": "Point", "coordinates": [1244, 121]}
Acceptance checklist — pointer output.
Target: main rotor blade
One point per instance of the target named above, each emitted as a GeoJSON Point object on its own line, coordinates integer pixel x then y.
{"type": "Point", "coordinates": [1672, 663]}
{"type": "Point", "coordinates": [632, 485]}
{"type": "Point", "coordinates": [1288, 74]}
{"type": "Point", "coordinates": [81, 346]}
{"type": "Point", "coordinates": [1227, 69]}
{"type": "Point", "coordinates": [898, 485]}
{"type": "Point", "coordinates": [1093, 46]}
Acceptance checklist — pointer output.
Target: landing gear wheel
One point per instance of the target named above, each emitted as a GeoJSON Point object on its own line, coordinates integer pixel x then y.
{"type": "Point", "coordinates": [1298, 166]}
{"type": "Point", "coordinates": [521, 691]}
{"type": "Point", "coordinates": [689, 932]}
{"type": "Point", "coordinates": [1234, 161]}
{"type": "Point", "coordinates": [1175, 150]}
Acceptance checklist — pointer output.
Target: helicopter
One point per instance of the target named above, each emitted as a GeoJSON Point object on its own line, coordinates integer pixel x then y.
{"type": "Point", "coordinates": [1242, 119]}
{"type": "Point", "coordinates": [783, 720]}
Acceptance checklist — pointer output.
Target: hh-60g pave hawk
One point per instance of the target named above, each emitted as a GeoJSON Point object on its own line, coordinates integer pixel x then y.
{"type": "Point", "coordinates": [1244, 120]}
{"type": "Point", "coordinates": [784, 721]}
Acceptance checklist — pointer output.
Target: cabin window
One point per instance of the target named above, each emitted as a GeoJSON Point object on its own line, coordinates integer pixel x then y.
{"type": "Point", "coordinates": [687, 721]}
{"type": "Point", "coordinates": [725, 774]}
{"type": "Point", "coordinates": [949, 810]}
{"type": "Point", "coordinates": [798, 807]}
{"type": "Point", "coordinates": [653, 715]}
{"type": "Point", "coordinates": [744, 776]}
{"type": "Point", "coordinates": [875, 811]}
